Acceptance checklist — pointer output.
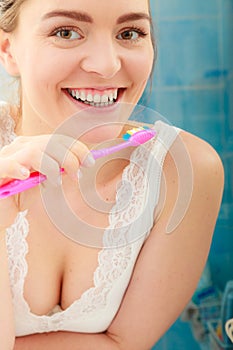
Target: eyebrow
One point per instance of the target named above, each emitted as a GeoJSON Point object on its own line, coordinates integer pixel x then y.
{"type": "Point", "coordinates": [78, 16]}
{"type": "Point", "coordinates": [133, 16]}
{"type": "Point", "coordinates": [83, 17]}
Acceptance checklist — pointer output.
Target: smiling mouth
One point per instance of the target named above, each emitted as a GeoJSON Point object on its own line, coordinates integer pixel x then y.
{"type": "Point", "coordinates": [94, 97]}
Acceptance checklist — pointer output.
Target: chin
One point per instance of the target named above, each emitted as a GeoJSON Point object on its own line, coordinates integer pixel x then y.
{"type": "Point", "coordinates": [102, 134]}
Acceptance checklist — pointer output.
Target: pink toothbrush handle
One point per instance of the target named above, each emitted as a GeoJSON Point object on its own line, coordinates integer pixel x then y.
{"type": "Point", "coordinates": [16, 186]}
{"type": "Point", "coordinates": [98, 153]}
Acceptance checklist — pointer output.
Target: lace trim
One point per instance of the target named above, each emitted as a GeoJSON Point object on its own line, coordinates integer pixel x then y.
{"type": "Point", "coordinates": [113, 262]}
{"type": "Point", "coordinates": [17, 250]}
{"type": "Point", "coordinates": [7, 125]}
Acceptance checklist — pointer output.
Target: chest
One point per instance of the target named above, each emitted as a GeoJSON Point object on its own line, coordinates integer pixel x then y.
{"type": "Point", "coordinates": [87, 286]}
{"type": "Point", "coordinates": [60, 268]}
{"type": "Point", "coordinates": [61, 264]}
{"type": "Point", "coordinates": [61, 273]}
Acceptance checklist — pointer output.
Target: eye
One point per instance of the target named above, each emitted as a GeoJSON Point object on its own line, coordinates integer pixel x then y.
{"type": "Point", "coordinates": [128, 35]}
{"type": "Point", "coordinates": [67, 34]}
{"type": "Point", "coordinates": [131, 34]}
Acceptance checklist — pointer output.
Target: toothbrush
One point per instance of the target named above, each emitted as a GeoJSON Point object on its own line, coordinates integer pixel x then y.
{"type": "Point", "coordinates": [133, 137]}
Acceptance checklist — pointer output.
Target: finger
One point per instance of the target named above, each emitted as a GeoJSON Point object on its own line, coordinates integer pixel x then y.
{"type": "Point", "coordinates": [31, 159]}
{"type": "Point", "coordinates": [79, 149]}
{"type": "Point", "coordinates": [76, 156]}
{"type": "Point", "coordinates": [5, 151]}
{"type": "Point", "coordinates": [11, 168]}
{"type": "Point", "coordinates": [83, 153]}
{"type": "Point", "coordinates": [52, 169]}
{"type": "Point", "coordinates": [69, 153]}
{"type": "Point", "coordinates": [28, 157]}
{"type": "Point", "coordinates": [71, 164]}
{"type": "Point", "coordinates": [15, 145]}
{"type": "Point", "coordinates": [5, 181]}
{"type": "Point", "coordinates": [36, 160]}
{"type": "Point", "coordinates": [64, 157]}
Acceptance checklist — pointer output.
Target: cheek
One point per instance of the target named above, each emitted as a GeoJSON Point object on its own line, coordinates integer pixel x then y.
{"type": "Point", "coordinates": [140, 66]}
{"type": "Point", "coordinates": [40, 65]}
{"type": "Point", "coordinates": [40, 77]}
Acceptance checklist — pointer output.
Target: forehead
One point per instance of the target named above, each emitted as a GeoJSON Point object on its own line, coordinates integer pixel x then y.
{"type": "Point", "coordinates": [94, 7]}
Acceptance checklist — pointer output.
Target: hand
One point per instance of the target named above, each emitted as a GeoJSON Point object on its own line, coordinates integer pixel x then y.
{"type": "Point", "coordinates": [44, 153]}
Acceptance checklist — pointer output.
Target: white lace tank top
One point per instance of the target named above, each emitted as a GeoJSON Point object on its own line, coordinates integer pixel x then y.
{"type": "Point", "coordinates": [130, 222]}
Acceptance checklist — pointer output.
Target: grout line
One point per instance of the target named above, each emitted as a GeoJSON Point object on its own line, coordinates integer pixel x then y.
{"type": "Point", "coordinates": [157, 67]}
{"type": "Point", "coordinates": [188, 18]}
{"type": "Point", "coordinates": [189, 87]}
{"type": "Point", "coordinates": [221, 60]}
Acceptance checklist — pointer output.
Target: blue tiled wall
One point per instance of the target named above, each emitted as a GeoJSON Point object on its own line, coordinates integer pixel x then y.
{"type": "Point", "coordinates": [193, 89]}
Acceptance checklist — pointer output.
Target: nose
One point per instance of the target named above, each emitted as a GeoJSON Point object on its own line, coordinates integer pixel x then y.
{"type": "Point", "coordinates": [102, 59]}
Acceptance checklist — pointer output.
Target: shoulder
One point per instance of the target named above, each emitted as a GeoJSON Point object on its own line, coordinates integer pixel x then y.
{"type": "Point", "coordinates": [204, 159]}
{"type": "Point", "coordinates": [184, 147]}
{"type": "Point", "coordinates": [193, 180]}
{"type": "Point", "coordinates": [191, 164]}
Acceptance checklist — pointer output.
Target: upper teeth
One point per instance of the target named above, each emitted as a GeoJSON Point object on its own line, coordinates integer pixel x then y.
{"type": "Point", "coordinates": [95, 97]}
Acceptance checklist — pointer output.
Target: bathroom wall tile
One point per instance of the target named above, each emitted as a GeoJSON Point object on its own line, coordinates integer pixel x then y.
{"type": "Point", "coordinates": [227, 34]}
{"type": "Point", "coordinates": [8, 87]}
{"type": "Point", "coordinates": [227, 159]}
{"type": "Point", "coordinates": [228, 108]}
{"type": "Point", "coordinates": [169, 103]}
{"type": "Point", "coordinates": [178, 337]}
{"type": "Point", "coordinates": [154, 5]}
{"type": "Point", "coordinates": [4, 84]}
{"type": "Point", "coordinates": [198, 111]}
{"type": "Point", "coordinates": [188, 52]}
{"type": "Point", "coordinates": [227, 42]}
{"type": "Point", "coordinates": [188, 8]}
{"type": "Point", "coordinates": [221, 262]}
{"type": "Point", "coordinates": [203, 110]}
{"type": "Point", "coordinates": [226, 6]}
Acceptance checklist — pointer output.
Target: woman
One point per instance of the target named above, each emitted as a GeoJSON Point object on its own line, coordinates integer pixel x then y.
{"type": "Point", "coordinates": [111, 286]}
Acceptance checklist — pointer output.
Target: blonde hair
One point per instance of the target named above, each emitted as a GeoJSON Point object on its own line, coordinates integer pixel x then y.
{"type": "Point", "coordinates": [9, 12]}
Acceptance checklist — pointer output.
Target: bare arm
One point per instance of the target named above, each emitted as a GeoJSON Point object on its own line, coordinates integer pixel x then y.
{"type": "Point", "coordinates": [168, 268]}
{"type": "Point", "coordinates": [7, 334]}
{"type": "Point", "coordinates": [66, 340]}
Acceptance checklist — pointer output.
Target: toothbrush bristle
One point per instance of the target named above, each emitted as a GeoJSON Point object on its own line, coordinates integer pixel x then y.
{"type": "Point", "coordinates": [131, 132]}
{"type": "Point", "coordinates": [142, 136]}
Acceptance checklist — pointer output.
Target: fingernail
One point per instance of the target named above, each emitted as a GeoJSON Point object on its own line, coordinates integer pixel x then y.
{"type": "Point", "coordinates": [24, 171]}
{"type": "Point", "coordinates": [89, 161]}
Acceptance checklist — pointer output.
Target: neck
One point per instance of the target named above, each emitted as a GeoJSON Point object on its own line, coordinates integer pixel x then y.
{"type": "Point", "coordinates": [31, 126]}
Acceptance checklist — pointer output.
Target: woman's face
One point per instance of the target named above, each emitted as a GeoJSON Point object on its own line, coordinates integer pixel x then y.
{"type": "Point", "coordinates": [75, 54]}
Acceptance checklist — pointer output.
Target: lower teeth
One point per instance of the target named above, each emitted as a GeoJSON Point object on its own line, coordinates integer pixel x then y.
{"type": "Point", "coordinates": [93, 104]}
